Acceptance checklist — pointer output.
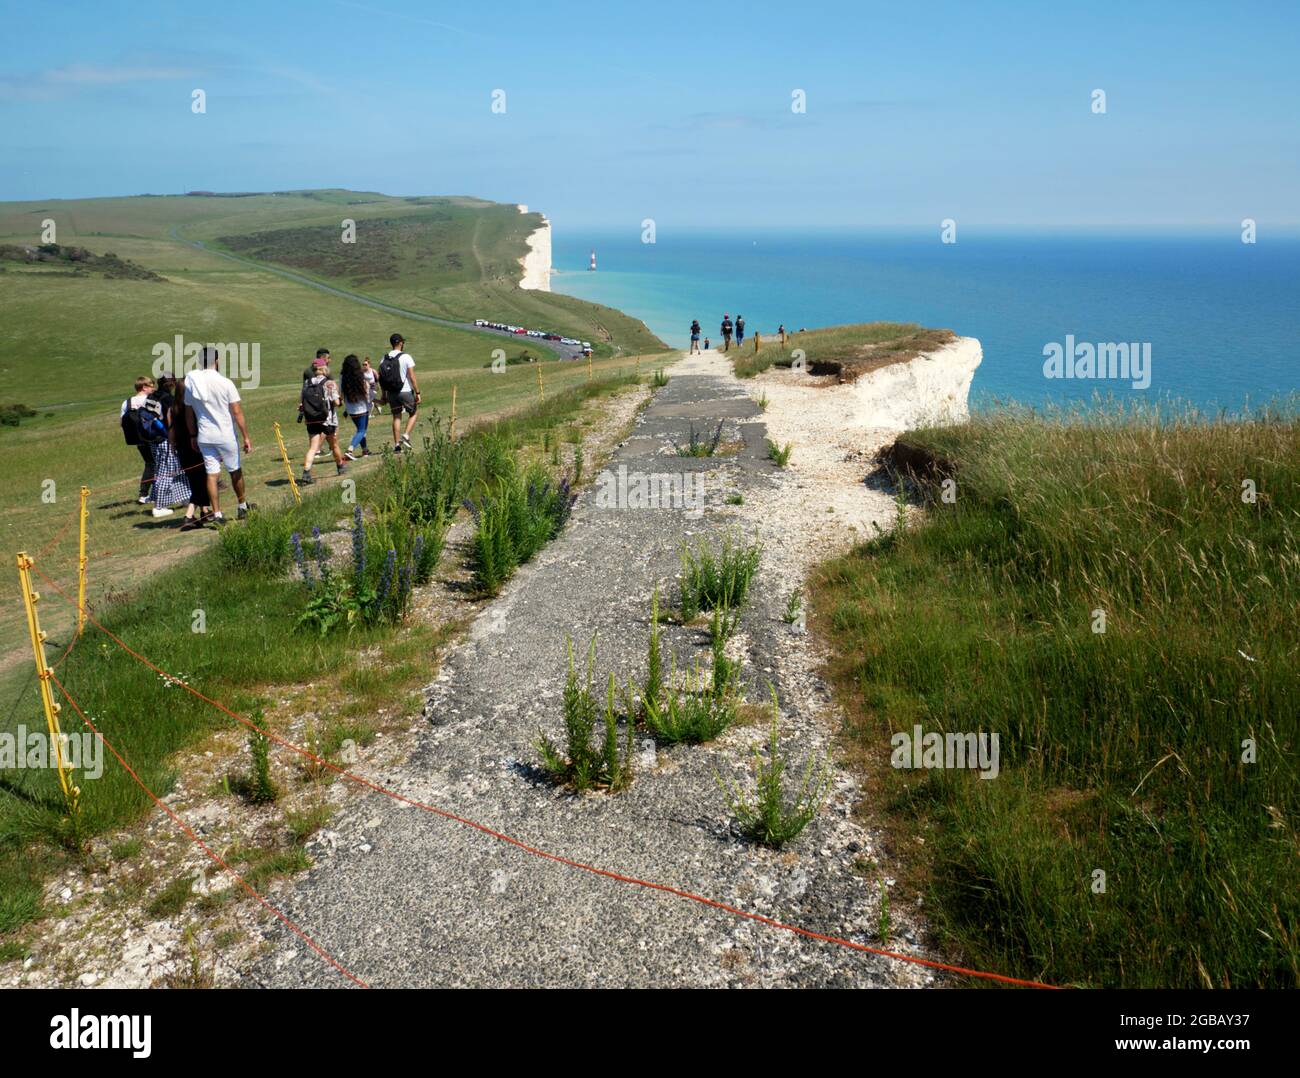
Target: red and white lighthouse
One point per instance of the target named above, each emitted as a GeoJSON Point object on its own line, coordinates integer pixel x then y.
{"type": "Point", "coordinates": [593, 262]}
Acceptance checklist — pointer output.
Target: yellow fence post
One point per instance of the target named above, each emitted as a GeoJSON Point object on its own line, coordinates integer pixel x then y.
{"type": "Point", "coordinates": [638, 368]}
{"type": "Point", "coordinates": [288, 468]}
{"type": "Point", "coordinates": [81, 566]}
{"type": "Point", "coordinates": [541, 393]}
{"type": "Point", "coordinates": [451, 430]}
{"type": "Point", "coordinates": [758, 342]}
{"type": "Point", "coordinates": [589, 371]}
{"type": "Point", "coordinates": [30, 598]}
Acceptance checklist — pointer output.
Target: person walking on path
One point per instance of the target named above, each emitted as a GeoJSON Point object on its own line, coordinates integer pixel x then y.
{"type": "Point", "coordinates": [356, 402]}
{"type": "Point", "coordinates": [372, 380]}
{"type": "Point", "coordinates": [199, 508]}
{"type": "Point", "coordinates": [144, 385]}
{"type": "Point", "coordinates": [212, 412]}
{"type": "Point", "coordinates": [695, 336]}
{"type": "Point", "coordinates": [171, 486]}
{"type": "Point", "coordinates": [726, 332]}
{"type": "Point", "coordinates": [318, 407]}
{"type": "Point", "coordinates": [740, 330]}
{"type": "Point", "coordinates": [401, 390]}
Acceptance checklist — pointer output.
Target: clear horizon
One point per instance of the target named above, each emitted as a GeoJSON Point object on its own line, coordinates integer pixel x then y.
{"type": "Point", "coordinates": [606, 117]}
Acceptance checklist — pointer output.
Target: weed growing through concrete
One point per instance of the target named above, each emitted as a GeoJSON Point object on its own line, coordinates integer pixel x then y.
{"type": "Point", "coordinates": [691, 710]}
{"type": "Point", "coordinates": [660, 379]}
{"type": "Point", "coordinates": [256, 785]}
{"type": "Point", "coordinates": [779, 455]}
{"type": "Point", "coordinates": [716, 577]}
{"type": "Point", "coordinates": [697, 446]}
{"type": "Point", "coordinates": [585, 764]}
{"type": "Point", "coordinates": [653, 686]}
{"type": "Point", "coordinates": [793, 605]}
{"type": "Point", "coordinates": [768, 816]}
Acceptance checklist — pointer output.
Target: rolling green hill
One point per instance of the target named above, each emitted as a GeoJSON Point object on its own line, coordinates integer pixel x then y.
{"type": "Point", "coordinates": [454, 258]}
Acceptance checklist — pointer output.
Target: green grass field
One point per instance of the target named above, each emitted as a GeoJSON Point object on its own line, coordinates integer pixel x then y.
{"type": "Point", "coordinates": [1162, 751]}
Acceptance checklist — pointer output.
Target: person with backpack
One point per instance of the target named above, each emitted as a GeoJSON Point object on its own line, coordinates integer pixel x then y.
{"type": "Point", "coordinates": [740, 330]}
{"type": "Point", "coordinates": [726, 332]}
{"type": "Point", "coordinates": [171, 486]}
{"type": "Point", "coordinates": [144, 385]}
{"type": "Point", "coordinates": [318, 408]}
{"type": "Point", "coordinates": [212, 412]}
{"type": "Point", "coordinates": [695, 336]}
{"type": "Point", "coordinates": [401, 391]}
{"type": "Point", "coordinates": [356, 402]}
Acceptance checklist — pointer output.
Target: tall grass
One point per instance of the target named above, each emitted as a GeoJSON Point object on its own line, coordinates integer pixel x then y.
{"type": "Point", "coordinates": [520, 511]}
{"type": "Point", "coordinates": [1126, 751]}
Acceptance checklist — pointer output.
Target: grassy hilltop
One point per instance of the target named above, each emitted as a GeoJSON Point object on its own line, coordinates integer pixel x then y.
{"type": "Point", "coordinates": [71, 339]}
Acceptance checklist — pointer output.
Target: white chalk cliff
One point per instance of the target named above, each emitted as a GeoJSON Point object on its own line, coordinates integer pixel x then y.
{"type": "Point", "coordinates": [931, 390]}
{"type": "Point", "coordinates": [537, 262]}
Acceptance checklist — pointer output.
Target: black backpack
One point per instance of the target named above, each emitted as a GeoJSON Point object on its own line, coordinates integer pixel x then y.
{"type": "Point", "coordinates": [130, 430]}
{"type": "Point", "coordinates": [390, 374]}
{"type": "Point", "coordinates": [149, 422]}
{"type": "Point", "coordinates": [315, 408]}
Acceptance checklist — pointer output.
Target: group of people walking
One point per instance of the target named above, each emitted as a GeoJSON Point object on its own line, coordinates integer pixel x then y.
{"type": "Point", "coordinates": [728, 330]}
{"type": "Point", "coordinates": [182, 426]}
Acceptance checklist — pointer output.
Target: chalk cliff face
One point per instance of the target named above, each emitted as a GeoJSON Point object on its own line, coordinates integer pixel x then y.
{"type": "Point", "coordinates": [930, 390]}
{"type": "Point", "coordinates": [537, 262]}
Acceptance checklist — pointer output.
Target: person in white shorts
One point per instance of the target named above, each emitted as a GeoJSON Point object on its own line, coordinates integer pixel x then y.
{"type": "Point", "coordinates": [212, 412]}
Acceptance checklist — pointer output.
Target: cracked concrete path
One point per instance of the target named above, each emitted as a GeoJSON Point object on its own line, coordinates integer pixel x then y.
{"type": "Point", "coordinates": [406, 898]}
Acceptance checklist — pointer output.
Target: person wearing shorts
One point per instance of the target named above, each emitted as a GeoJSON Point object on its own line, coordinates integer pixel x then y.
{"type": "Point", "coordinates": [740, 330]}
{"type": "Point", "coordinates": [695, 336]}
{"type": "Point", "coordinates": [726, 332]}
{"type": "Point", "coordinates": [327, 429]}
{"type": "Point", "coordinates": [407, 401]}
{"type": "Point", "coordinates": [212, 412]}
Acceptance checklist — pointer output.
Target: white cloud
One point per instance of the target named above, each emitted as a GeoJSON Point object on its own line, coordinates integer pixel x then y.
{"type": "Point", "coordinates": [65, 81]}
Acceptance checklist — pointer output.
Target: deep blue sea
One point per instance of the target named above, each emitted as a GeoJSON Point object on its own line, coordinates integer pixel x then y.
{"type": "Point", "coordinates": [1222, 317]}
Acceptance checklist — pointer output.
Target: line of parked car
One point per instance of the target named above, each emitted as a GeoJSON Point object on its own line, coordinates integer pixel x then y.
{"type": "Point", "coordinates": [584, 346]}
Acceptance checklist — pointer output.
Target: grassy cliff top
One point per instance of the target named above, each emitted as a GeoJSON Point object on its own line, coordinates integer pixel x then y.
{"type": "Point", "coordinates": [845, 351]}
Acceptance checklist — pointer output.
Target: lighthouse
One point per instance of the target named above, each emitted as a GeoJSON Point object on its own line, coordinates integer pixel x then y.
{"type": "Point", "coordinates": [593, 262]}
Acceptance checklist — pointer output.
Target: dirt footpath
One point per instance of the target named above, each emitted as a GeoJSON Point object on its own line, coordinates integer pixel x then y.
{"type": "Point", "coordinates": [406, 898]}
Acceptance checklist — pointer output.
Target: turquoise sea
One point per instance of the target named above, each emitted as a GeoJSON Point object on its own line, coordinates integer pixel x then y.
{"type": "Point", "coordinates": [1222, 317]}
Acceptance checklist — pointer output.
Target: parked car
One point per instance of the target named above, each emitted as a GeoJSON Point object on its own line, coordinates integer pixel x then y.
{"type": "Point", "coordinates": [568, 340]}
{"type": "Point", "coordinates": [550, 336]}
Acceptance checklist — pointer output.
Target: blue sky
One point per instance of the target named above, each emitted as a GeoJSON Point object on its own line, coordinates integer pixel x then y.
{"type": "Point", "coordinates": [676, 111]}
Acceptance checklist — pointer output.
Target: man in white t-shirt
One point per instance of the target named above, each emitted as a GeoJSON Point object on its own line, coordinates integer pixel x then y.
{"type": "Point", "coordinates": [407, 399]}
{"type": "Point", "coordinates": [212, 412]}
